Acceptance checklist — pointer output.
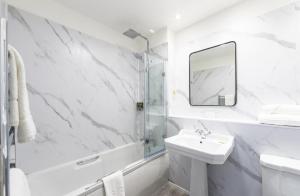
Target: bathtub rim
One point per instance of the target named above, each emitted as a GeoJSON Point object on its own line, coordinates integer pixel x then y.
{"type": "Point", "coordinates": [90, 188]}
{"type": "Point", "coordinates": [100, 154]}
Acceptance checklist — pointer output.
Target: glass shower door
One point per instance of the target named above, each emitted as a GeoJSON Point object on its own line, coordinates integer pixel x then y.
{"type": "Point", "coordinates": [155, 105]}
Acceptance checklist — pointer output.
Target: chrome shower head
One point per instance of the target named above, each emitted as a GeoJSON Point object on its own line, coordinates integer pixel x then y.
{"type": "Point", "coordinates": [131, 33]}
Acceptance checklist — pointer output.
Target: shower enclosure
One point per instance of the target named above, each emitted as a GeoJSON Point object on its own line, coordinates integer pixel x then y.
{"type": "Point", "coordinates": [155, 113]}
{"type": "Point", "coordinates": [155, 104]}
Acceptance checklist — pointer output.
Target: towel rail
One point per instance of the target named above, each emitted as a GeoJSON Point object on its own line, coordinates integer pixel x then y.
{"type": "Point", "coordinates": [99, 183]}
{"type": "Point", "coordinates": [87, 161]}
{"type": "Point", "coordinates": [11, 142]}
{"type": "Point", "coordinates": [4, 173]}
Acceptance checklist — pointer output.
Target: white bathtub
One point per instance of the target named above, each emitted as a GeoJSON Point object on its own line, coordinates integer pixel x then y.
{"type": "Point", "coordinates": [83, 177]}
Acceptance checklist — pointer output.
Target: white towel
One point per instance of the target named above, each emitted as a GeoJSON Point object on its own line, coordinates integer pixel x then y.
{"type": "Point", "coordinates": [114, 184]}
{"type": "Point", "coordinates": [282, 109]}
{"type": "Point", "coordinates": [18, 183]}
{"type": "Point", "coordinates": [288, 115]}
{"type": "Point", "coordinates": [13, 91]}
{"type": "Point", "coordinates": [20, 115]}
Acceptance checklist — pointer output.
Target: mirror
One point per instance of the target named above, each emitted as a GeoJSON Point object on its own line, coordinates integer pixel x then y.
{"type": "Point", "coordinates": [213, 76]}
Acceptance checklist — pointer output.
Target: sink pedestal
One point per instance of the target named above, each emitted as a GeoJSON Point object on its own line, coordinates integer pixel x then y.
{"type": "Point", "coordinates": [198, 183]}
{"type": "Point", "coordinates": [215, 149]}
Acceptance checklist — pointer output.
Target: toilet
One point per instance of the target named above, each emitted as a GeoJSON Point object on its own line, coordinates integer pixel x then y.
{"type": "Point", "coordinates": [280, 176]}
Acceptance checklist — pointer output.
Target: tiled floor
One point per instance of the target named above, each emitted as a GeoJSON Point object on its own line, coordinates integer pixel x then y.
{"type": "Point", "coordinates": [170, 190]}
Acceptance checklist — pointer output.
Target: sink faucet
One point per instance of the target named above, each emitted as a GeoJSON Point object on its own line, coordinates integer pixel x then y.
{"type": "Point", "coordinates": [206, 133]}
{"type": "Point", "coordinates": [199, 131]}
{"type": "Point", "coordinates": [203, 133]}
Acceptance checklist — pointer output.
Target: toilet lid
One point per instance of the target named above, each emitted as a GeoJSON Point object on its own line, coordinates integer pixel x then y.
{"type": "Point", "coordinates": [280, 163]}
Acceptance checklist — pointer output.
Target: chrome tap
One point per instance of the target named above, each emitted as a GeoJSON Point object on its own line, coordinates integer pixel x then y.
{"type": "Point", "coordinates": [199, 131]}
{"type": "Point", "coordinates": [206, 133]}
{"type": "Point", "coordinates": [203, 133]}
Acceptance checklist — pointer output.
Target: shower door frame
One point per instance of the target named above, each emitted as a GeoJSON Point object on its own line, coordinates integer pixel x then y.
{"type": "Point", "coordinates": [147, 136]}
{"type": "Point", "coordinates": [4, 147]}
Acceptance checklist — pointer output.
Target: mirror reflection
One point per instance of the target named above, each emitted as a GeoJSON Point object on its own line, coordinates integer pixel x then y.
{"type": "Point", "coordinates": [213, 76]}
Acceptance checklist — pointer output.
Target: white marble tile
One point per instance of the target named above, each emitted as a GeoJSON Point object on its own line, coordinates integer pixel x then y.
{"type": "Point", "coordinates": [160, 51]}
{"type": "Point", "coordinates": [267, 64]}
{"type": "Point", "coordinates": [267, 72]}
{"type": "Point", "coordinates": [82, 91]}
{"type": "Point", "coordinates": [179, 171]}
{"type": "Point", "coordinates": [241, 173]}
{"type": "Point", "coordinates": [169, 189]}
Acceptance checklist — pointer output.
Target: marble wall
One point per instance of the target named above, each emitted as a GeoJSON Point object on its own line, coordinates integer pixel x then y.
{"type": "Point", "coordinates": [82, 91]}
{"type": "Point", "coordinates": [241, 173]}
{"type": "Point", "coordinates": [268, 68]}
{"type": "Point", "coordinates": [267, 60]}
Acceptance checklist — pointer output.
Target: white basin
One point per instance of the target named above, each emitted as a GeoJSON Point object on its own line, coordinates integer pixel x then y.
{"type": "Point", "coordinates": [212, 149]}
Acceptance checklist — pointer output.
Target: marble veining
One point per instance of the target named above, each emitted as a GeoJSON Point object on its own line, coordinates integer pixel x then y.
{"type": "Point", "coordinates": [241, 173]}
{"type": "Point", "coordinates": [169, 189]}
{"type": "Point", "coordinates": [183, 94]}
{"type": "Point", "coordinates": [43, 97]}
{"type": "Point", "coordinates": [267, 63]}
{"type": "Point", "coordinates": [272, 37]}
{"type": "Point", "coordinates": [160, 51]}
{"type": "Point", "coordinates": [82, 92]}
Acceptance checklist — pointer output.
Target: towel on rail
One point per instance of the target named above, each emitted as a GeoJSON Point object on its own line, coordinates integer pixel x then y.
{"type": "Point", "coordinates": [20, 115]}
{"type": "Point", "coordinates": [114, 184]}
{"type": "Point", "coordinates": [13, 91]}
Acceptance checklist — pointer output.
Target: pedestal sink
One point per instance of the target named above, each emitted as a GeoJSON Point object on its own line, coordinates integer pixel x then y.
{"type": "Point", "coordinates": [202, 149]}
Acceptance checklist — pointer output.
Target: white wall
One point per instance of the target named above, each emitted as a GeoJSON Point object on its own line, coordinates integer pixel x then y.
{"type": "Point", "coordinates": [68, 73]}
{"type": "Point", "coordinates": [242, 24]}
{"type": "Point", "coordinates": [267, 36]}
{"type": "Point", "coordinates": [155, 40]}
{"type": "Point", "coordinates": [63, 15]}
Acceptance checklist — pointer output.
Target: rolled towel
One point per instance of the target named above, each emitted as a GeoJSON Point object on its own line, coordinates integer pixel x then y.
{"type": "Point", "coordinates": [288, 115]}
{"type": "Point", "coordinates": [26, 128]}
{"type": "Point", "coordinates": [281, 109]}
{"type": "Point", "coordinates": [114, 184]}
{"type": "Point", "coordinates": [18, 183]}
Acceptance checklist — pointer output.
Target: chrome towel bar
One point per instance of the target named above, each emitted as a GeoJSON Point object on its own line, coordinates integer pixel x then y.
{"type": "Point", "coordinates": [89, 189]}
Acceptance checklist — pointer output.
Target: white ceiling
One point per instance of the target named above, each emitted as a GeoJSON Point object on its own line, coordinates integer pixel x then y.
{"type": "Point", "coordinates": [143, 15]}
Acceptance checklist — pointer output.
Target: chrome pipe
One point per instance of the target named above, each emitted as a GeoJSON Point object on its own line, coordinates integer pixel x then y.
{"type": "Point", "coordinates": [4, 189]}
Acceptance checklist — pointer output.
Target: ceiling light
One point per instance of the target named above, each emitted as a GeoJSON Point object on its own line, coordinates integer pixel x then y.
{"type": "Point", "coordinates": [178, 16]}
{"type": "Point", "coordinates": [151, 31]}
